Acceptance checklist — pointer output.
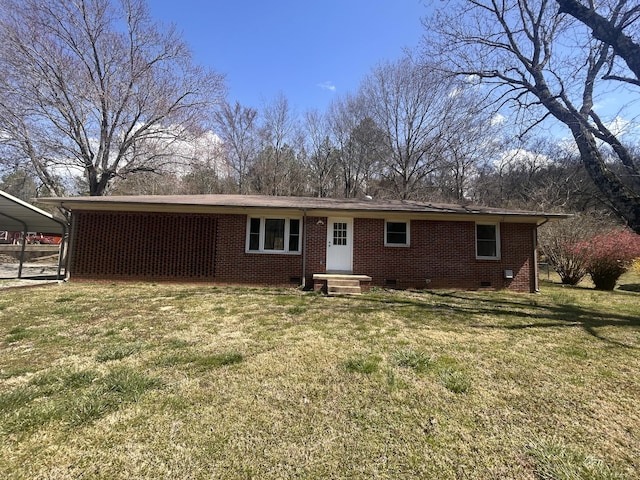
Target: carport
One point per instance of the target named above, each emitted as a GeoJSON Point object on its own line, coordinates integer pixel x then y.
{"type": "Point", "coordinates": [19, 216]}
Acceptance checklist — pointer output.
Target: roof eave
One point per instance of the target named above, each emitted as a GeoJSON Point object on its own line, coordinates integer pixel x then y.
{"type": "Point", "coordinates": [325, 211]}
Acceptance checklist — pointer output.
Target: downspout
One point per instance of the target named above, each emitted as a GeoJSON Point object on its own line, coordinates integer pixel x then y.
{"type": "Point", "coordinates": [68, 244]}
{"type": "Point", "coordinates": [62, 254]}
{"type": "Point", "coordinates": [536, 284]}
{"type": "Point", "coordinates": [304, 248]}
{"type": "Point", "coordinates": [23, 247]}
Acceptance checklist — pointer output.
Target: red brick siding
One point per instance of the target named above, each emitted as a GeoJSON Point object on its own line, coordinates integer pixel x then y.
{"type": "Point", "coordinates": [235, 265]}
{"type": "Point", "coordinates": [141, 245]}
{"type": "Point", "coordinates": [518, 254]}
{"type": "Point", "coordinates": [202, 247]}
{"type": "Point", "coordinates": [171, 246]}
{"type": "Point", "coordinates": [316, 247]}
{"type": "Point", "coordinates": [443, 253]}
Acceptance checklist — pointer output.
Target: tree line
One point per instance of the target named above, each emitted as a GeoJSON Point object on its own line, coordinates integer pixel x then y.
{"type": "Point", "coordinates": [97, 98]}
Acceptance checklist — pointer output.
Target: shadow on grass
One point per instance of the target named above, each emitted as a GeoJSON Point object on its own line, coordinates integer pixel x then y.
{"type": "Point", "coordinates": [463, 307]}
{"type": "Point", "coordinates": [630, 287]}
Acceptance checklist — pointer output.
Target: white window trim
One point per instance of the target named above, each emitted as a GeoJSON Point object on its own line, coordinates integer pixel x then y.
{"type": "Point", "coordinates": [498, 247]}
{"type": "Point", "coordinates": [287, 231]}
{"type": "Point", "coordinates": [408, 243]}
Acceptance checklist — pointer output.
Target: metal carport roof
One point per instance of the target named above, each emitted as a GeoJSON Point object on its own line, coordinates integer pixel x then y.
{"type": "Point", "coordinates": [19, 216]}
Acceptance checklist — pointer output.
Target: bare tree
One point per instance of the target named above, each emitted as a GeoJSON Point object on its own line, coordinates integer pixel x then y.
{"type": "Point", "coordinates": [95, 87]}
{"type": "Point", "coordinates": [322, 154]}
{"type": "Point", "coordinates": [238, 129]}
{"type": "Point", "coordinates": [408, 102]}
{"type": "Point", "coordinates": [344, 115]}
{"type": "Point", "coordinates": [536, 174]}
{"type": "Point", "coordinates": [621, 16]}
{"type": "Point", "coordinates": [359, 146]}
{"type": "Point", "coordinates": [277, 170]}
{"type": "Point", "coordinates": [471, 136]}
{"type": "Point", "coordinates": [546, 65]}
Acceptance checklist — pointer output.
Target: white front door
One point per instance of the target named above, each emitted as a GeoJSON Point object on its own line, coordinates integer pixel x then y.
{"type": "Point", "coordinates": [339, 244]}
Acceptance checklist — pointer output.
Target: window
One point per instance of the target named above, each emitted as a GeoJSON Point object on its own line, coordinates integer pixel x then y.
{"type": "Point", "coordinates": [396, 233]}
{"type": "Point", "coordinates": [254, 234]}
{"type": "Point", "coordinates": [488, 241]}
{"type": "Point", "coordinates": [273, 235]}
{"type": "Point", "coordinates": [339, 233]}
{"type": "Point", "coordinates": [294, 235]}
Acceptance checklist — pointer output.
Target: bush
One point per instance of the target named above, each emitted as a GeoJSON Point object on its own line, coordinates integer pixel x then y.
{"type": "Point", "coordinates": [609, 255]}
{"type": "Point", "coordinates": [568, 260]}
{"type": "Point", "coordinates": [562, 244]}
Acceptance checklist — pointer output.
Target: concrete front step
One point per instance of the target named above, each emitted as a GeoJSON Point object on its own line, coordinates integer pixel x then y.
{"type": "Point", "coordinates": [343, 289]}
{"type": "Point", "coordinates": [341, 284]}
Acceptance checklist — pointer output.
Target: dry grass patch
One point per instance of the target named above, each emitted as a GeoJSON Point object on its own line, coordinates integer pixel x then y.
{"type": "Point", "coordinates": [165, 381]}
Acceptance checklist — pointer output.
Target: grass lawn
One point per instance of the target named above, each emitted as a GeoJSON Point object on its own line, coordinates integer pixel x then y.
{"type": "Point", "coordinates": [165, 381]}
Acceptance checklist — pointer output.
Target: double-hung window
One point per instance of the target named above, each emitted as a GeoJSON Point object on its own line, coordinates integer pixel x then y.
{"type": "Point", "coordinates": [488, 241]}
{"type": "Point", "coordinates": [396, 233]}
{"type": "Point", "coordinates": [273, 235]}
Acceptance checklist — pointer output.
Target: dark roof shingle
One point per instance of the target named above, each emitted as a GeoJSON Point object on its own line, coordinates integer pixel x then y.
{"type": "Point", "coordinates": [309, 204]}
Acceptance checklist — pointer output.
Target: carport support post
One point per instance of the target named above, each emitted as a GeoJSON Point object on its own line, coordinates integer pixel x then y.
{"type": "Point", "coordinates": [22, 250]}
{"type": "Point", "coordinates": [24, 240]}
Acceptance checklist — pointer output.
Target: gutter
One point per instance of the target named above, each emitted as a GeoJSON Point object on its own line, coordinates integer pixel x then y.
{"type": "Point", "coordinates": [546, 220]}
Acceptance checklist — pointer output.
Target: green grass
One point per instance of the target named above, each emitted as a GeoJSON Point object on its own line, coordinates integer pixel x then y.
{"type": "Point", "coordinates": [362, 364]}
{"type": "Point", "coordinates": [164, 381]}
{"type": "Point", "coordinates": [16, 334]}
{"type": "Point", "coordinates": [415, 359]}
{"type": "Point", "coordinates": [455, 380]}
{"type": "Point", "coordinates": [116, 352]}
{"type": "Point", "coordinates": [555, 461]}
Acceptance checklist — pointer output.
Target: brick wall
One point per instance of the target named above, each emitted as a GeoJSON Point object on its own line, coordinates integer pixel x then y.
{"type": "Point", "coordinates": [211, 248]}
{"type": "Point", "coordinates": [143, 246]}
{"type": "Point", "coordinates": [442, 255]}
{"type": "Point", "coordinates": [172, 246]}
{"type": "Point", "coordinates": [315, 244]}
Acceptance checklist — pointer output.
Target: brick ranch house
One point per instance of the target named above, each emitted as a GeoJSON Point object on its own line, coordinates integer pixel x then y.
{"type": "Point", "coordinates": [286, 241]}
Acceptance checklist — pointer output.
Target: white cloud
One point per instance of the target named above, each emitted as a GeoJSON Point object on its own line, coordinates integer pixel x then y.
{"type": "Point", "coordinates": [619, 126]}
{"type": "Point", "coordinates": [498, 119]}
{"type": "Point", "coordinates": [454, 93]}
{"type": "Point", "coordinates": [328, 85]}
{"type": "Point", "coordinates": [518, 157]}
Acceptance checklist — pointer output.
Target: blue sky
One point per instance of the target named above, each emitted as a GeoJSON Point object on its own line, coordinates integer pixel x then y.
{"type": "Point", "coordinates": [308, 50]}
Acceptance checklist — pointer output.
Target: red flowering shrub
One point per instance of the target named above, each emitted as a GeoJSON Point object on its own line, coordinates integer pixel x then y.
{"type": "Point", "coordinates": [609, 255]}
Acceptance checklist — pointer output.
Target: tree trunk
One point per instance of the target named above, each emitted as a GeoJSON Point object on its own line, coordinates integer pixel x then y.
{"type": "Point", "coordinates": [624, 201]}
{"type": "Point", "coordinates": [605, 31]}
